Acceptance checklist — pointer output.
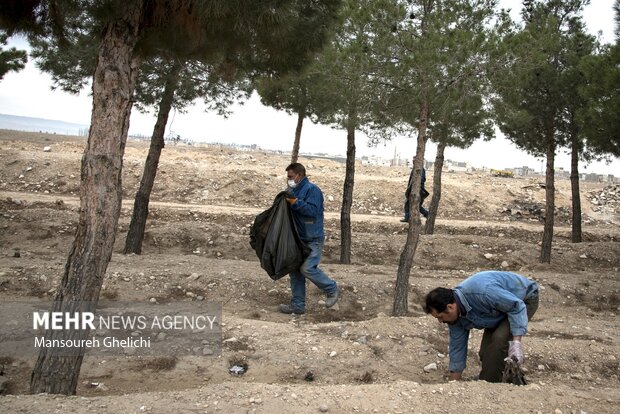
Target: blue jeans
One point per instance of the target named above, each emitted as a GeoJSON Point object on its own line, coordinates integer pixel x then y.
{"type": "Point", "coordinates": [310, 270]}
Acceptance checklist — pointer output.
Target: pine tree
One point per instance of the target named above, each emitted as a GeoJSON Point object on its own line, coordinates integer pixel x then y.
{"type": "Point", "coordinates": [578, 46]}
{"type": "Point", "coordinates": [290, 93]}
{"type": "Point", "coordinates": [532, 90]}
{"type": "Point", "coordinates": [600, 120]}
{"type": "Point", "coordinates": [459, 124]}
{"type": "Point", "coordinates": [169, 84]}
{"type": "Point", "coordinates": [11, 60]}
{"type": "Point", "coordinates": [266, 35]}
{"type": "Point", "coordinates": [346, 89]}
{"type": "Point", "coordinates": [437, 48]}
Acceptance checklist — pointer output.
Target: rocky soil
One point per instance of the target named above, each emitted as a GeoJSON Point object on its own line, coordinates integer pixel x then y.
{"type": "Point", "coordinates": [356, 358]}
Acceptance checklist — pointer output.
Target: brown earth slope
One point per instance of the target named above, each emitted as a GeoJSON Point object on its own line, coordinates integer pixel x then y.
{"type": "Point", "coordinates": [353, 359]}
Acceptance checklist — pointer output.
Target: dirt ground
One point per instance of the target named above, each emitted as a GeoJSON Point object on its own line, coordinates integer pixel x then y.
{"type": "Point", "coordinates": [356, 358]}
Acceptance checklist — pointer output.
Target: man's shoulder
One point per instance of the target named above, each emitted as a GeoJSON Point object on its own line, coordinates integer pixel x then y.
{"type": "Point", "coordinates": [311, 186]}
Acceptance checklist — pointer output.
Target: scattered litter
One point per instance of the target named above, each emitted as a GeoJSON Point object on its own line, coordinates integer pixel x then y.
{"type": "Point", "coordinates": [237, 370]}
{"type": "Point", "coordinates": [513, 374]}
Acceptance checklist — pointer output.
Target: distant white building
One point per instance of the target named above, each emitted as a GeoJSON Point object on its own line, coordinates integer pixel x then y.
{"type": "Point", "coordinates": [593, 177]}
{"type": "Point", "coordinates": [561, 173]}
{"type": "Point", "coordinates": [376, 160]}
{"type": "Point", "coordinates": [456, 166]}
{"type": "Point", "coordinates": [524, 171]}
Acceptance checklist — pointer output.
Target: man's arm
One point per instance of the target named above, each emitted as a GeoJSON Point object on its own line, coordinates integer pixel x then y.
{"type": "Point", "coordinates": [457, 350]}
{"type": "Point", "coordinates": [311, 205]}
{"type": "Point", "coordinates": [513, 307]}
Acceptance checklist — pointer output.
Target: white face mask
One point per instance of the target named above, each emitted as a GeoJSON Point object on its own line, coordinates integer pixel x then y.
{"type": "Point", "coordinates": [292, 183]}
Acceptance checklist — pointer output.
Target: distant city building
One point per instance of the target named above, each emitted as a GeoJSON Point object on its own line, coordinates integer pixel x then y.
{"type": "Point", "coordinates": [456, 166]}
{"type": "Point", "coordinates": [399, 162]}
{"type": "Point", "coordinates": [561, 173]}
{"type": "Point", "coordinates": [593, 177]}
{"type": "Point", "coordinates": [376, 160]}
{"type": "Point", "coordinates": [524, 171]}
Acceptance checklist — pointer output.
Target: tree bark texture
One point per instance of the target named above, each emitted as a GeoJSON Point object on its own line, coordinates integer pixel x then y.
{"type": "Point", "coordinates": [300, 123]}
{"type": "Point", "coordinates": [576, 236]}
{"type": "Point", "coordinates": [545, 251]}
{"type": "Point", "coordinates": [429, 227]}
{"type": "Point", "coordinates": [347, 199]}
{"type": "Point", "coordinates": [100, 197]}
{"type": "Point", "coordinates": [135, 234]}
{"type": "Point", "coordinates": [401, 290]}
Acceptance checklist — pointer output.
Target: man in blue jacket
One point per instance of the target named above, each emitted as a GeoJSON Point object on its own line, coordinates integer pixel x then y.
{"type": "Point", "coordinates": [499, 302]}
{"type": "Point", "coordinates": [306, 201]}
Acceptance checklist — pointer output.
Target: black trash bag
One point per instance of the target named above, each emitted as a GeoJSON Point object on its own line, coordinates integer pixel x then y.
{"type": "Point", "coordinates": [513, 374]}
{"type": "Point", "coordinates": [275, 240]}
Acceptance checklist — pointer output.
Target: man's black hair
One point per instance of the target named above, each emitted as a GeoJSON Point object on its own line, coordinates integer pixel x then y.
{"type": "Point", "coordinates": [438, 299]}
{"type": "Point", "coordinates": [297, 168]}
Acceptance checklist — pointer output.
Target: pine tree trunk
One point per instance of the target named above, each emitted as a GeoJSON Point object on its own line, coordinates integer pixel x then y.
{"type": "Point", "coordinates": [135, 234]}
{"type": "Point", "coordinates": [347, 199]}
{"type": "Point", "coordinates": [545, 251]}
{"type": "Point", "coordinates": [429, 227]}
{"type": "Point", "coordinates": [100, 198]}
{"type": "Point", "coordinates": [401, 290]}
{"type": "Point", "coordinates": [300, 122]}
{"type": "Point", "coordinates": [576, 198]}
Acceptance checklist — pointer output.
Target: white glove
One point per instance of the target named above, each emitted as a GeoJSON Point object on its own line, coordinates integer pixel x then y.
{"type": "Point", "coordinates": [515, 352]}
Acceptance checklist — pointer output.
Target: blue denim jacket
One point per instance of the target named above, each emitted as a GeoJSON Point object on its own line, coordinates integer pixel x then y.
{"type": "Point", "coordinates": [308, 211]}
{"type": "Point", "coordinates": [488, 298]}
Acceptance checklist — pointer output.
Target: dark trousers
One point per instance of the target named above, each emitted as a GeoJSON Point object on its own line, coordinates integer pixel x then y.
{"type": "Point", "coordinates": [494, 345]}
{"type": "Point", "coordinates": [423, 195]}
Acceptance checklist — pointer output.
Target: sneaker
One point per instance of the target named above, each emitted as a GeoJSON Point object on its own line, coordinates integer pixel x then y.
{"type": "Point", "coordinates": [404, 220]}
{"type": "Point", "coordinates": [289, 310]}
{"type": "Point", "coordinates": [332, 298]}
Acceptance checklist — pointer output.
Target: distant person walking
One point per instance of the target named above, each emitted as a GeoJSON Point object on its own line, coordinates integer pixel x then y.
{"type": "Point", "coordinates": [423, 195]}
{"type": "Point", "coordinates": [499, 302]}
{"type": "Point", "coordinates": [306, 201]}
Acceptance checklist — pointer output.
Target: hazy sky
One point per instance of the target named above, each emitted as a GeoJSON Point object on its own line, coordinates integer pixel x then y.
{"type": "Point", "coordinates": [28, 93]}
